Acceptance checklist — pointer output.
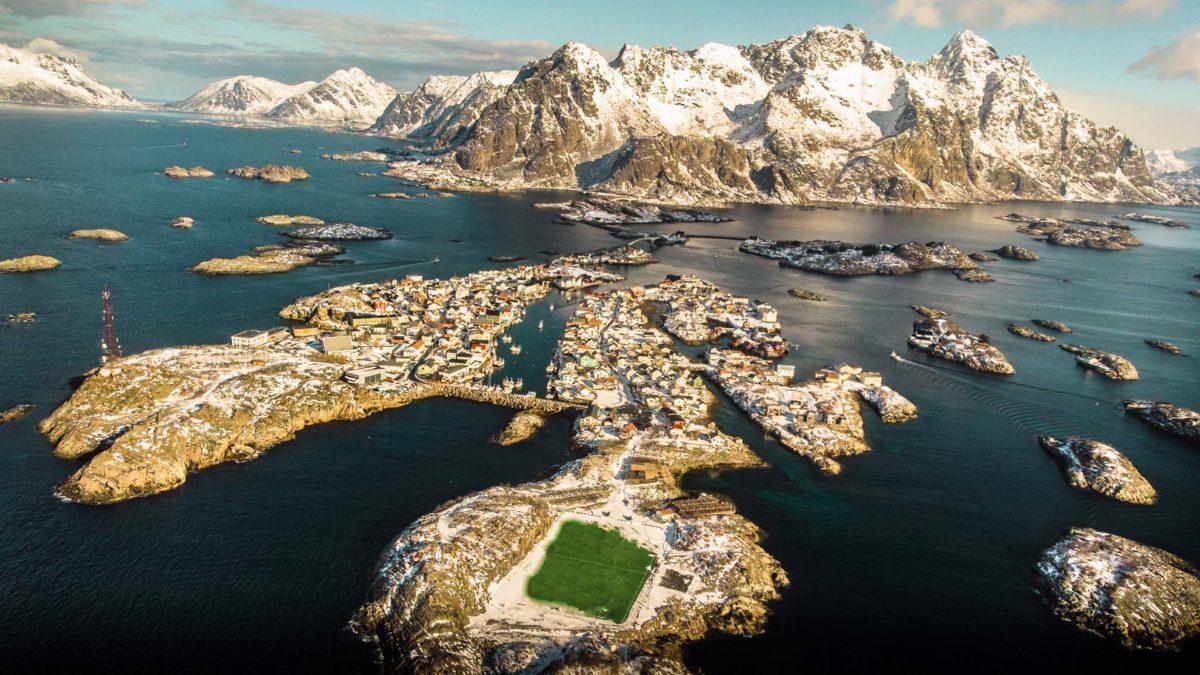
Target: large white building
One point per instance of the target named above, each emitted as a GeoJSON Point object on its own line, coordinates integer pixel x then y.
{"type": "Point", "coordinates": [250, 338]}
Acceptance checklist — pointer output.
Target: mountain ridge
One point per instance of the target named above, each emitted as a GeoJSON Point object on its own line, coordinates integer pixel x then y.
{"type": "Point", "coordinates": [39, 78]}
{"type": "Point", "coordinates": [825, 115]}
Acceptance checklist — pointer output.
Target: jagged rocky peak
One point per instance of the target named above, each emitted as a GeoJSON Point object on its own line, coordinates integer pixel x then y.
{"type": "Point", "coordinates": [702, 91]}
{"type": "Point", "coordinates": [28, 76]}
{"type": "Point", "coordinates": [242, 95]}
{"type": "Point", "coordinates": [345, 95]}
{"type": "Point", "coordinates": [821, 48]}
{"type": "Point", "coordinates": [443, 105]}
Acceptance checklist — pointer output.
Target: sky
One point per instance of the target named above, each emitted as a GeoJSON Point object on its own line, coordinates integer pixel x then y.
{"type": "Point", "coordinates": [1134, 64]}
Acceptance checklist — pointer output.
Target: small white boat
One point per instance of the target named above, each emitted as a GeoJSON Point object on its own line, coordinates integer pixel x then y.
{"type": "Point", "coordinates": [541, 325]}
{"type": "Point", "coordinates": [515, 349]}
{"type": "Point", "coordinates": [506, 339]}
{"type": "Point", "coordinates": [499, 362]}
{"type": "Point", "coordinates": [551, 367]}
{"type": "Point", "coordinates": [896, 357]}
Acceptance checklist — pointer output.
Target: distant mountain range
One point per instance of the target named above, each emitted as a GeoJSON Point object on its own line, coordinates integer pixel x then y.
{"type": "Point", "coordinates": [825, 115]}
{"type": "Point", "coordinates": [48, 79]}
{"type": "Point", "coordinates": [345, 96]}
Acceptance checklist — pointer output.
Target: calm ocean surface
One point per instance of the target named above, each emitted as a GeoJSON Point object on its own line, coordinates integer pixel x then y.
{"type": "Point", "coordinates": [918, 557]}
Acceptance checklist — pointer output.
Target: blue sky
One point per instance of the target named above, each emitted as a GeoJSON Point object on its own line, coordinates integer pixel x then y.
{"type": "Point", "coordinates": [166, 49]}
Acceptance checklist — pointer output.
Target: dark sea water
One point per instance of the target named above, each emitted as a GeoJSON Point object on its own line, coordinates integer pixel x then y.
{"type": "Point", "coordinates": [918, 557]}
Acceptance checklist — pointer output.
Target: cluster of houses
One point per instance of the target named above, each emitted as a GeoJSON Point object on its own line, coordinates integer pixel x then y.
{"type": "Point", "coordinates": [767, 394]}
{"type": "Point", "coordinates": [698, 311]}
{"type": "Point", "coordinates": [612, 358]}
{"type": "Point", "coordinates": [415, 328]}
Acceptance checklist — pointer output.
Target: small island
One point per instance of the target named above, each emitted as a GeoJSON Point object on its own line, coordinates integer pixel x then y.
{"type": "Point", "coordinates": [339, 232]}
{"type": "Point", "coordinates": [271, 173]}
{"type": "Point", "coordinates": [1099, 467]}
{"type": "Point", "coordinates": [180, 172]}
{"type": "Point", "coordinates": [1016, 253]}
{"type": "Point", "coordinates": [598, 211]}
{"type": "Point", "coordinates": [523, 425]}
{"type": "Point", "coordinates": [270, 259]}
{"type": "Point", "coordinates": [29, 263]}
{"type": "Point", "coordinates": [1167, 417]}
{"type": "Point", "coordinates": [102, 234]}
{"type": "Point", "coordinates": [1026, 332]}
{"type": "Point", "coordinates": [973, 275]}
{"type": "Point", "coordinates": [1082, 234]}
{"type": "Point", "coordinates": [14, 413]}
{"type": "Point", "coordinates": [804, 294]}
{"type": "Point", "coordinates": [947, 340]}
{"type": "Point", "coordinates": [1156, 220]}
{"type": "Point", "coordinates": [625, 255]}
{"type": "Point", "coordinates": [1110, 365]}
{"type": "Point", "coordinates": [842, 259]}
{"type": "Point", "coordinates": [1140, 596]}
{"type": "Point", "coordinates": [1053, 325]}
{"type": "Point", "coordinates": [282, 219]}
{"type": "Point", "coordinates": [1163, 345]}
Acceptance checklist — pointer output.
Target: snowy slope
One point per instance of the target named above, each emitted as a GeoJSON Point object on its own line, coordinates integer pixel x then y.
{"type": "Point", "coordinates": [345, 96]}
{"type": "Point", "coordinates": [28, 77]}
{"type": "Point", "coordinates": [241, 95]}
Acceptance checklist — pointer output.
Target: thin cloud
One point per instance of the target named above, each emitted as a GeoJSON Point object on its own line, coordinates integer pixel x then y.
{"type": "Point", "coordinates": [395, 40]}
{"type": "Point", "coordinates": [36, 9]}
{"type": "Point", "coordinates": [1178, 60]}
{"type": "Point", "coordinates": [1014, 13]}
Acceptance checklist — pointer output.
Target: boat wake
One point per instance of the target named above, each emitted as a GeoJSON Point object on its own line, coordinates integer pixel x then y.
{"type": "Point", "coordinates": [1031, 415]}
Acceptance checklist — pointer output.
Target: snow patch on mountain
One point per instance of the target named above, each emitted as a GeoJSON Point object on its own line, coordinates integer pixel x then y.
{"type": "Point", "coordinates": [348, 95]}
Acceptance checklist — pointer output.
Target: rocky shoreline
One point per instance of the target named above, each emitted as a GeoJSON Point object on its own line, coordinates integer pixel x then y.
{"type": "Point", "coordinates": [1100, 467]}
{"type": "Point", "coordinates": [1167, 417]}
{"type": "Point", "coordinates": [1140, 596]}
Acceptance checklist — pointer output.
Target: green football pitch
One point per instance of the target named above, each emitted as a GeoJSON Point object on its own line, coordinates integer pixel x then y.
{"type": "Point", "coordinates": [592, 569]}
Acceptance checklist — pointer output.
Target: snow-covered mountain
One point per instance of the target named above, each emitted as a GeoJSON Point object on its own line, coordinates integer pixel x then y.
{"type": "Point", "coordinates": [345, 96]}
{"type": "Point", "coordinates": [433, 110]}
{"type": "Point", "coordinates": [825, 115]}
{"type": "Point", "coordinates": [1173, 161]}
{"type": "Point", "coordinates": [30, 77]}
{"type": "Point", "coordinates": [241, 95]}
